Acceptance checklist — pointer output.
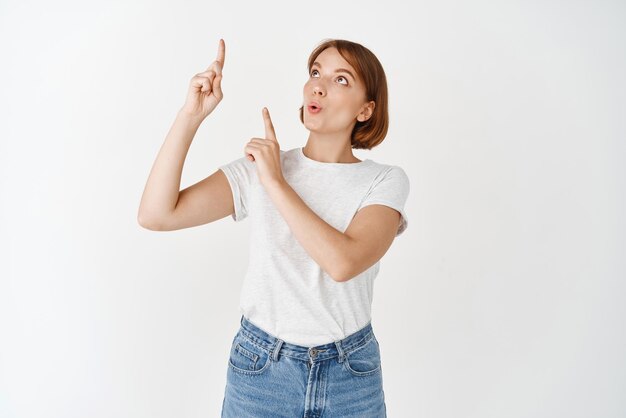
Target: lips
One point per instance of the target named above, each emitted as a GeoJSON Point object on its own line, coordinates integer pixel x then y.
{"type": "Point", "coordinates": [314, 107]}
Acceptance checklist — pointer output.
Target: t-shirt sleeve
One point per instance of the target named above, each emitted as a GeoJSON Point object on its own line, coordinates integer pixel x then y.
{"type": "Point", "coordinates": [390, 189]}
{"type": "Point", "coordinates": [240, 173]}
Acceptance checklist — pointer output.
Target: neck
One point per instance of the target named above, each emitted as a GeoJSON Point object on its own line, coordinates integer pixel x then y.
{"type": "Point", "coordinates": [329, 150]}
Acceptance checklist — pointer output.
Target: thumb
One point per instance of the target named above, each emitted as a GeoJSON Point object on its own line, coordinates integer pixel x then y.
{"type": "Point", "coordinates": [217, 86]}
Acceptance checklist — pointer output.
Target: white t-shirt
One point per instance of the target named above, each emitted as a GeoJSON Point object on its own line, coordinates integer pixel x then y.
{"type": "Point", "coordinates": [285, 292]}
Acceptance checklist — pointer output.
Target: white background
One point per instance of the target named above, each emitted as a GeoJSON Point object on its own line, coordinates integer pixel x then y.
{"type": "Point", "coordinates": [504, 297]}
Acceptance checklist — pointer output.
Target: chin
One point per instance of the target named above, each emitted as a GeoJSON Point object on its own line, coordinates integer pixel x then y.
{"type": "Point", "coordinates": [310, 126]}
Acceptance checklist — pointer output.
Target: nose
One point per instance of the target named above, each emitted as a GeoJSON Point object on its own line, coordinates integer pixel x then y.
{"type": "Point", "coordinates": [317, 90]}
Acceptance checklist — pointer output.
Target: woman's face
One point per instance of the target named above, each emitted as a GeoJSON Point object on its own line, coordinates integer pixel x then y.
{"type": "Point", "coordinates": [341, 97]}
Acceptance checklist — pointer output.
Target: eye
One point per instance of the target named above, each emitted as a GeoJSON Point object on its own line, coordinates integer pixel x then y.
{"type": "Point", "coordinates": [342, 77]}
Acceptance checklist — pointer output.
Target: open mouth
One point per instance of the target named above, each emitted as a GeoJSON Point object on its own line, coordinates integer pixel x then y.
{"type": "Point", "coordinates": [314, 109]}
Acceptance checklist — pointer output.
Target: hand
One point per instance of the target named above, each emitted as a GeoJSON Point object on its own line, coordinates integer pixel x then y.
{"type": "Point", "coordinates": [205, 89]}
{"type": "Point", "coordinates": [266, 153]}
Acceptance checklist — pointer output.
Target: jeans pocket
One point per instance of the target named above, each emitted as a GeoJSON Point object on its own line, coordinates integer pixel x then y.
{"type": "Point", "coordinates": [364, 360]}
{"type": "Point", "coordinates": [247, 357]}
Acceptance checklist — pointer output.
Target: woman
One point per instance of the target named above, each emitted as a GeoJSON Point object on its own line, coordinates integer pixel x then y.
{"type": "Point", "coordinates": [321, 221]}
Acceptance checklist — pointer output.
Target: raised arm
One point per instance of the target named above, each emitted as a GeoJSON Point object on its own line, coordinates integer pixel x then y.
{"type": "Point", "coordinates": [163, 206]}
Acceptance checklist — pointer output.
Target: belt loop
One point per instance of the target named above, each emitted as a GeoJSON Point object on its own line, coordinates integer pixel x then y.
{"type": "Point", "coordinates": [276, 349]}
{"type": "Point", "coordinates": [340, 350]}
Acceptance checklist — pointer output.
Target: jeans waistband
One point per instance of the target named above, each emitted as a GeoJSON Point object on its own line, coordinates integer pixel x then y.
{"type": "Point", "coordinates": [276, 346]}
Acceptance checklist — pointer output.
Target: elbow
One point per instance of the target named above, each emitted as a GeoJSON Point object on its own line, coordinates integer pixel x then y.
{"type": "Point", "coordinates": [341, 277]}
{"type": "Point", "coordinates": [146, 223]}
{"type": "Point", "coordinates": [343, 273]}
{"type": "Point", "coordinates": [141, 220]}
{"type": "Point", "coordinates": [142, 223]}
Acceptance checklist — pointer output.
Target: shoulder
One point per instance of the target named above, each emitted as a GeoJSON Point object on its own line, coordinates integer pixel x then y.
{"type": "Point", "coordinates": [241, 163]}
{"type": "Point", "coordinates": [391, 173]}
{"type": "Point", "coordinates": [398, 173]}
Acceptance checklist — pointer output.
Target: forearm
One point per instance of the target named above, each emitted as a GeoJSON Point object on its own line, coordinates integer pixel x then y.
{"type": "Point", "coordinates": [325, 244]}
{"type": "Point", "coordinates": [161, 192]}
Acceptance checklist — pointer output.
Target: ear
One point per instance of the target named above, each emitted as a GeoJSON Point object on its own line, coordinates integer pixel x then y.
{"type": "Point", "coordinates": [366, 112]}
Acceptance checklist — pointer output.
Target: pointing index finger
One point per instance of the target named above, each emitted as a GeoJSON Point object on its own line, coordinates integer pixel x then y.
{"type": "Point", "coordinates": [221, 53]}
{"type": "Point", "coordinates": [269, 127]}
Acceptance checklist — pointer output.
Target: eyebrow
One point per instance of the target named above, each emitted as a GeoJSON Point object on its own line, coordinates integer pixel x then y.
{"type": "Point", "coordinates": [338, 70]}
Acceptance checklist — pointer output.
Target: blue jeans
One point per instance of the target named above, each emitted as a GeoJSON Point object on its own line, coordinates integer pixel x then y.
{"type": "Point", "coordinates": [268, 377]}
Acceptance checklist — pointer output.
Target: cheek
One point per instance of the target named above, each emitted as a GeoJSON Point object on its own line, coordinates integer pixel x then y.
{"type": "Point", "coordinates": [347, 105]}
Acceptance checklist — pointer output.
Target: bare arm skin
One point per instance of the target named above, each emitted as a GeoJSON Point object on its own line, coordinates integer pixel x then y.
{"type": "Point", "coordinates": [163, 207]}
{"type": "Point", "coordinates": [342, 255]}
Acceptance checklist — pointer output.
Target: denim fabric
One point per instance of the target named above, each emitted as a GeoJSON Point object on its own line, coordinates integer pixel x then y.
{"type": "Point", "coordinates": [268, 377]}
